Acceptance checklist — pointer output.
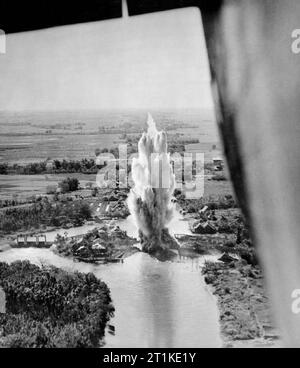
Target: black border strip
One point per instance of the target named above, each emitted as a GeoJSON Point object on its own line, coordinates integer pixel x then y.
{"type": "Point", "coordinates": [28, 15]}
{"type": "Point", "coordinates": [136, 7]}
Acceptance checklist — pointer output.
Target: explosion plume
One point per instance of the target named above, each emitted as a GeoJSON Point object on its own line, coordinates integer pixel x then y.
{"type": "Point", "coordinates": [150, 200]}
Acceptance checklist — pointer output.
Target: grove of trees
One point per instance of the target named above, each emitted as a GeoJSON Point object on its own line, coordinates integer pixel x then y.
{"type": "Point", "coordinates": [69, 185]}
{"type": "Point", "coordinates": [44, 213]}
{"type": "Point", "coordinates": [51, 308]}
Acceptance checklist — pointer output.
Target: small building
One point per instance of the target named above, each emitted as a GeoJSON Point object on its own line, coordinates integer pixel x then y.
{"type": "Point", "coordinates": [204, 209]}
{"type": "Point", "coordinates": [41, 240]}
{"type": "Point", "coordinates": [50, 166]}
{"type": "Point", "coordinates": [205, 229]}
{"type": "Point", "coordinates": [218, 163]}
{"type": "Point", "coordinates": [32, 241]}
{"type": "Point", "coordinates": [21, 241]}
{"type": "Point", "coordinates": [99, 247]}
{"type": "Point", "coordinates": [227, 258]}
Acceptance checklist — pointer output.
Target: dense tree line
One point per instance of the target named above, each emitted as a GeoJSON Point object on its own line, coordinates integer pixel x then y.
{"type": "Point", "coordinates": [3, 169]}
{"type": "Point", "coordinates": [85, 166]}
{"type": "Point", "coordinates": [48, 307]}
{"type": "Point", "coordinates": [44, 213]}
{"type": "Point", "coordinates": [15, 202]}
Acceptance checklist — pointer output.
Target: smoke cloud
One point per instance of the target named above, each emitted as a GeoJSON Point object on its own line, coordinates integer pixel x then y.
{"type": "Point", "coordinates": [150, 199]}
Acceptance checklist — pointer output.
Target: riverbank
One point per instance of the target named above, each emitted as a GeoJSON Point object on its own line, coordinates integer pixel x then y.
{"type": "Point", "coordinates": [244, 307]}
{"type": "Point", "coordinates": [245, 313]}
{"type": "Point", "coordinates": [233, 274]}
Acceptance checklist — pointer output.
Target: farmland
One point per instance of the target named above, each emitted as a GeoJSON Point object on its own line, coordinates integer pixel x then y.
{"type": "Point", "coordinates": [36, 136]}
{"type": "Point", "coordinates": [21, 187]}
{"type": "Point", "coordinates": [30, 137]}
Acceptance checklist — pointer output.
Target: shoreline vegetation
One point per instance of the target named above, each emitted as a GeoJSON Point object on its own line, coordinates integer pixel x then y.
{"type": "Point", "coordinates": [47, 307]}
{"type": "Point", "coordinates": [245, 313]}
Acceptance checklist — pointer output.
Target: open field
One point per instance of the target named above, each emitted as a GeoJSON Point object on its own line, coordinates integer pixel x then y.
{"type": "Point", "coordinates": [36, 148]}
{"type": "Point", "coordinates": [36, 136]}
{"type": "Point", "coordinates": [24, 186]}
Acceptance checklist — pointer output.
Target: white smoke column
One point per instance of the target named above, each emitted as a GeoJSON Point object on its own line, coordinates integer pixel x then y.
{"type": "Point", "coordinates": [150, 200]}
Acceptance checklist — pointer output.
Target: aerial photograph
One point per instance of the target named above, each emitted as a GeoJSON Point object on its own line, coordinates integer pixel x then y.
{"type": "Point", "coordinates": [120, 226]}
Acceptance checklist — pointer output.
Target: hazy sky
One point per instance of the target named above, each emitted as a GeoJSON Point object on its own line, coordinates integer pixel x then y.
{"type": "Point", "coordinates": [151, 61]}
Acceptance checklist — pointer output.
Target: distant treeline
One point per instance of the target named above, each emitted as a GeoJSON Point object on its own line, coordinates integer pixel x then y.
{"type": "Point", "coordinates": [85, 166]}
{"type": "Point", "coordinates": [15, 202]}
{"type": "Point", "coordinates": [51, 308]}
{"type": "Point", "coordinates": [44, 213]}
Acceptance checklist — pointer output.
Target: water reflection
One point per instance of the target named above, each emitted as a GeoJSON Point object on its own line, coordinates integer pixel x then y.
{"type": "Point", "coordinates": [158, 307]}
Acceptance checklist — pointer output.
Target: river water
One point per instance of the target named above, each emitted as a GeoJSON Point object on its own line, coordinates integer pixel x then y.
{"type": "Point", "coordinates": [158, 305]}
